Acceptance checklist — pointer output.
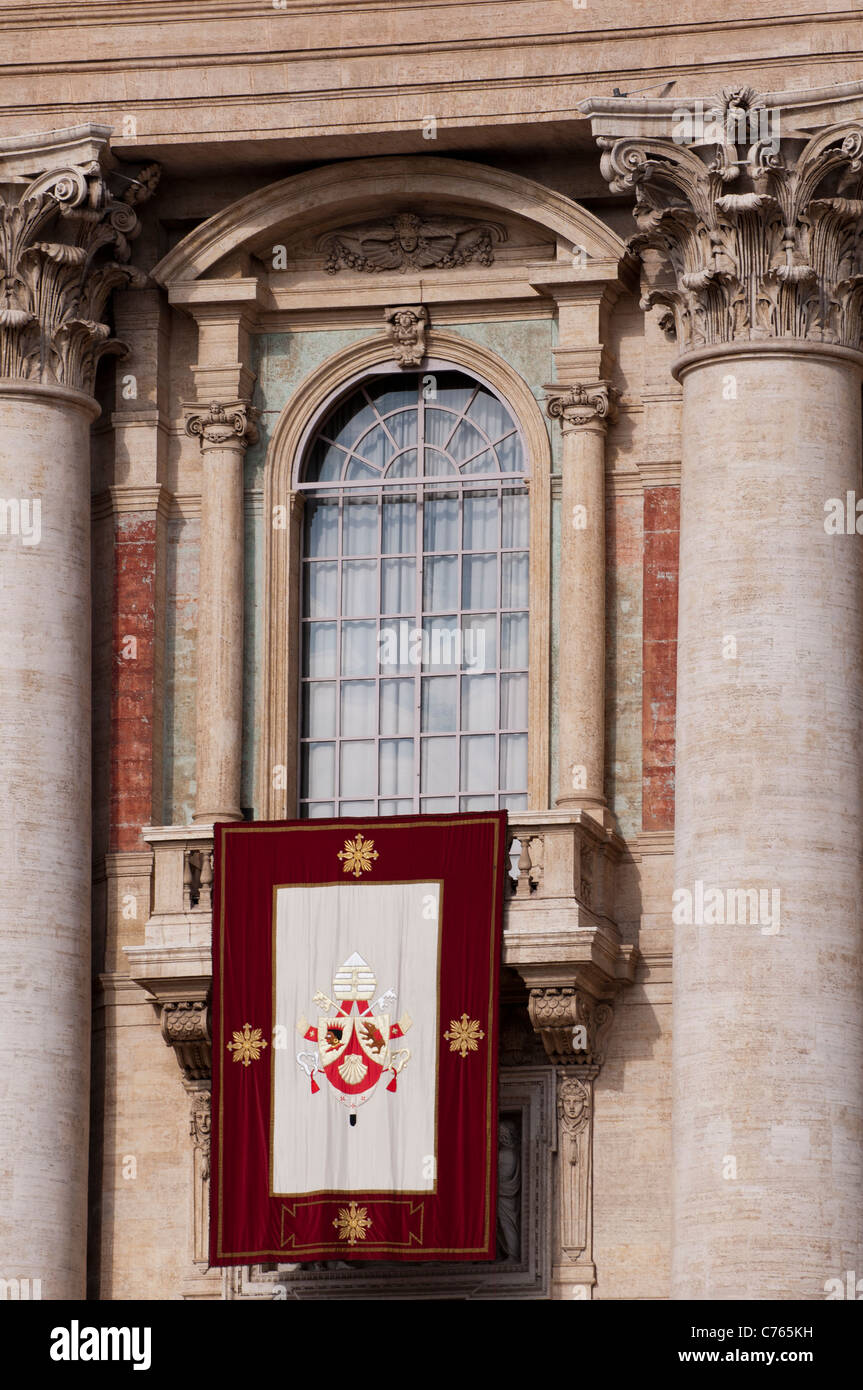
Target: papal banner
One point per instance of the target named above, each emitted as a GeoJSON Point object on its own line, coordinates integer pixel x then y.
{"type": "Point", "coordinates": [355, 973]}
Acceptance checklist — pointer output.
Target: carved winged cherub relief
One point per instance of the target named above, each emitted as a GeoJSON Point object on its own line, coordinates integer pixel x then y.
{"type": "Point", "coordinates": [409, 241]}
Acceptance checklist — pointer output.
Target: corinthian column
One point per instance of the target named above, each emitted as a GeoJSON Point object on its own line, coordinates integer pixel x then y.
{"type": "Point", "coordinates": [64, 244]}
{"type": "Point", "coordinates": [763, 276]}
{"type": "Point", "coordinates": [224, 431]}
{"type": "Point", "coordinates": [583, 411]}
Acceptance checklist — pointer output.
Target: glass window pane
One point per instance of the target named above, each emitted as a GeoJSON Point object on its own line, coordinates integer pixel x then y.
{"type": "Point", "coordinates": [316, 809]}
{"type": "Point", "coordinates": [319, 709]}
{"type": "Point", "coordinates": [510, 455]}
{"type": "Point", "coordinates": [439, 704]}
{"type": "Point", "coordinates": [319, 649]}
{"type": "Point", "coordinates": [348, 420]}
{"type": "Point", "coordinates": [440, 523]}
{"type": "Point", "coordinates": [325, 464]}
{"type": "Point", "coordinates": [398, 647]}
{"type": "Point", "coordinates": [478, 702]}
{"type": "Point", "coordinates": [440, 644]}
{"type": "Point", "coordinates": [476, 803]}
{"type": "Point", "coordinates": [359, 587]}
{"type": "Point", "coordinates": [438, 766]}
{"type": "Point", "coordinates": [430, 804]}
{"type": "Point", "coordinates": [513, 702]}
{"type": "Point", "coordinates": [357, 470]}
{"type": "Point", "coordinates": [437, 465]}
{"type": "Point", "coordinates": [399, 527]}
{"type": "Point", "coordinates": [487, 411]}
{"type": "Point", "coordinates": [439, 426]}
{"type": "Point", "coordinates": [513, 589]}
{"type": "Point", "coordinates": [513, 762]}
{"type": "Point", "coordinates": [321, 589]}
{"type": "Point", "coordinates": [317, 769]}
{"type": "Point", "coordinates": [452, 389]}
{"type": "Point", "coordinates": [396, 761]}
{"type": "Point", "coordinates": [514, 803]}
{"type": "Point", "coordinates": [405, 466]}
{"type": "Point", "coordinates": [322, 528]}
{"type": "Point", "coordinates": [479, 642]}
{"type": "Point", "coordinates": [515, 519]}
{"type": "Point", "coordinates": [397, 707]}
{"type": "Point", "coordinates": [356, 808]}
{"type": "Point", "coordinates": [360, 527]}
{"type": "Point", "coordinates": [396, 808]}
{"type": "Point", "coordinates": [375, 447]}
{"type": "Point", "coordinates": [479, 581]}
{"type": "Point", "coordinates": [466, 441]}
{"type": "Point", "coordinates": [513, 640]}
{"type": "Point", "coordinates": [483, 463]}
{"type": "Point", "coordinates": [403, 428]}
{"type": "Point", "coordinates": [357, 771]}
{"type": "Point", "coordinates": [359, 709]}
{"type": "Point", "coordinates": [359, 649]}
{"type": "Point", "coordinates": [480, 521]}
{"type": "Point", "coordinates": [392, 393]}
{"type": "Point", "coordinates": [440, 584]}
{"type": "Point", "coordinates": [398, 585]}
{"type": "Point", "coordinates": [478, 772]}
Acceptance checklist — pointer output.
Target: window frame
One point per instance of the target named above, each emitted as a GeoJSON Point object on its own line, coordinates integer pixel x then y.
{"type": "Point", "coordinates": [419, 490]}
{"type": "Point", "coordinates": [278, 706]}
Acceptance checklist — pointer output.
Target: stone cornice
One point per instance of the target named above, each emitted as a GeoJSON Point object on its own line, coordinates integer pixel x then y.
{"type": "Point", "coordinates": [64, 246]}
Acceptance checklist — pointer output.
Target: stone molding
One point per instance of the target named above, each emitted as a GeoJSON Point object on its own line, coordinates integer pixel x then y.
{"type": "Point", "coordinates": [325, 194]}
{"type": "Point", "coordinates": [224, 426]}
{"type": "Point", "coordinates": [406, 330]}
{"type": "Point", "coordinates": [64, 246]}
{"type": "Point", "coordinates": [762, 240]}
{"type": "Point", "coordinates": [581, 405]}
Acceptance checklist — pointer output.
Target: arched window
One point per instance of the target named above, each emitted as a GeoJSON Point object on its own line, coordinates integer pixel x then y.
{"type": "Point", "coordinates": [414, 602]}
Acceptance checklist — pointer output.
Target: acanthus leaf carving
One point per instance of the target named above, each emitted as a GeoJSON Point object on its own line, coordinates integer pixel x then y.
{"type": "Point", "coordinates": [54, 288]}
{"type": "Point", "coordinates": [778, 255]}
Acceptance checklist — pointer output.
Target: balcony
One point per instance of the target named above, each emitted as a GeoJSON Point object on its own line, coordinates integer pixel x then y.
{"type": "Point", "coordinates": [559, 928]}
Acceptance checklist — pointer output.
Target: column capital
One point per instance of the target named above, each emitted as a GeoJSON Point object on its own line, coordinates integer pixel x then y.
{"type": "Point", "coordinates": [756, 222]}
{"type": "Point", "coordinates": [66, 222]}
{"type": "Point", "coordinates": [224, 426]}
{"type": "Point", "coordinates": [582, 405]}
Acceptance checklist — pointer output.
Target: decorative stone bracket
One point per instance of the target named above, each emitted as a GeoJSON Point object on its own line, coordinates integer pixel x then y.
{"type": "Point", "coordinates": [185, 1026]}
{"type": "Point", "coordinates": [406, 326]}
{"type": "Point", "coordinates": [572, 1025]}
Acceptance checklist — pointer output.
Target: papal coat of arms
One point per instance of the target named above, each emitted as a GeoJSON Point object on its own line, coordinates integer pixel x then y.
{"type": "Point", "coordinates": [354, 1037]}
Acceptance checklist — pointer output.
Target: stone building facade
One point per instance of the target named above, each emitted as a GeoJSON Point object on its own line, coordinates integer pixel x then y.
{"type": "Point", "coordinates": [623, 250]}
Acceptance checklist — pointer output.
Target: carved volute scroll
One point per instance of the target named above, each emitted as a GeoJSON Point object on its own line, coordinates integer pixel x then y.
{"type": "Point", "coordinates": [764, 239]}
{"type": "Point", "coordinates": [64, 246]}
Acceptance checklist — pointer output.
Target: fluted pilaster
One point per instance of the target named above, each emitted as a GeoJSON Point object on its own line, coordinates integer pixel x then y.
{"type": "Point", "coordinates": [224, 431]}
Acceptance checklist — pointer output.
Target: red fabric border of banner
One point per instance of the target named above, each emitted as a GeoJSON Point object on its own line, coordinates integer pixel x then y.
{"type": "Point", "coordinates": [467, 852]}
